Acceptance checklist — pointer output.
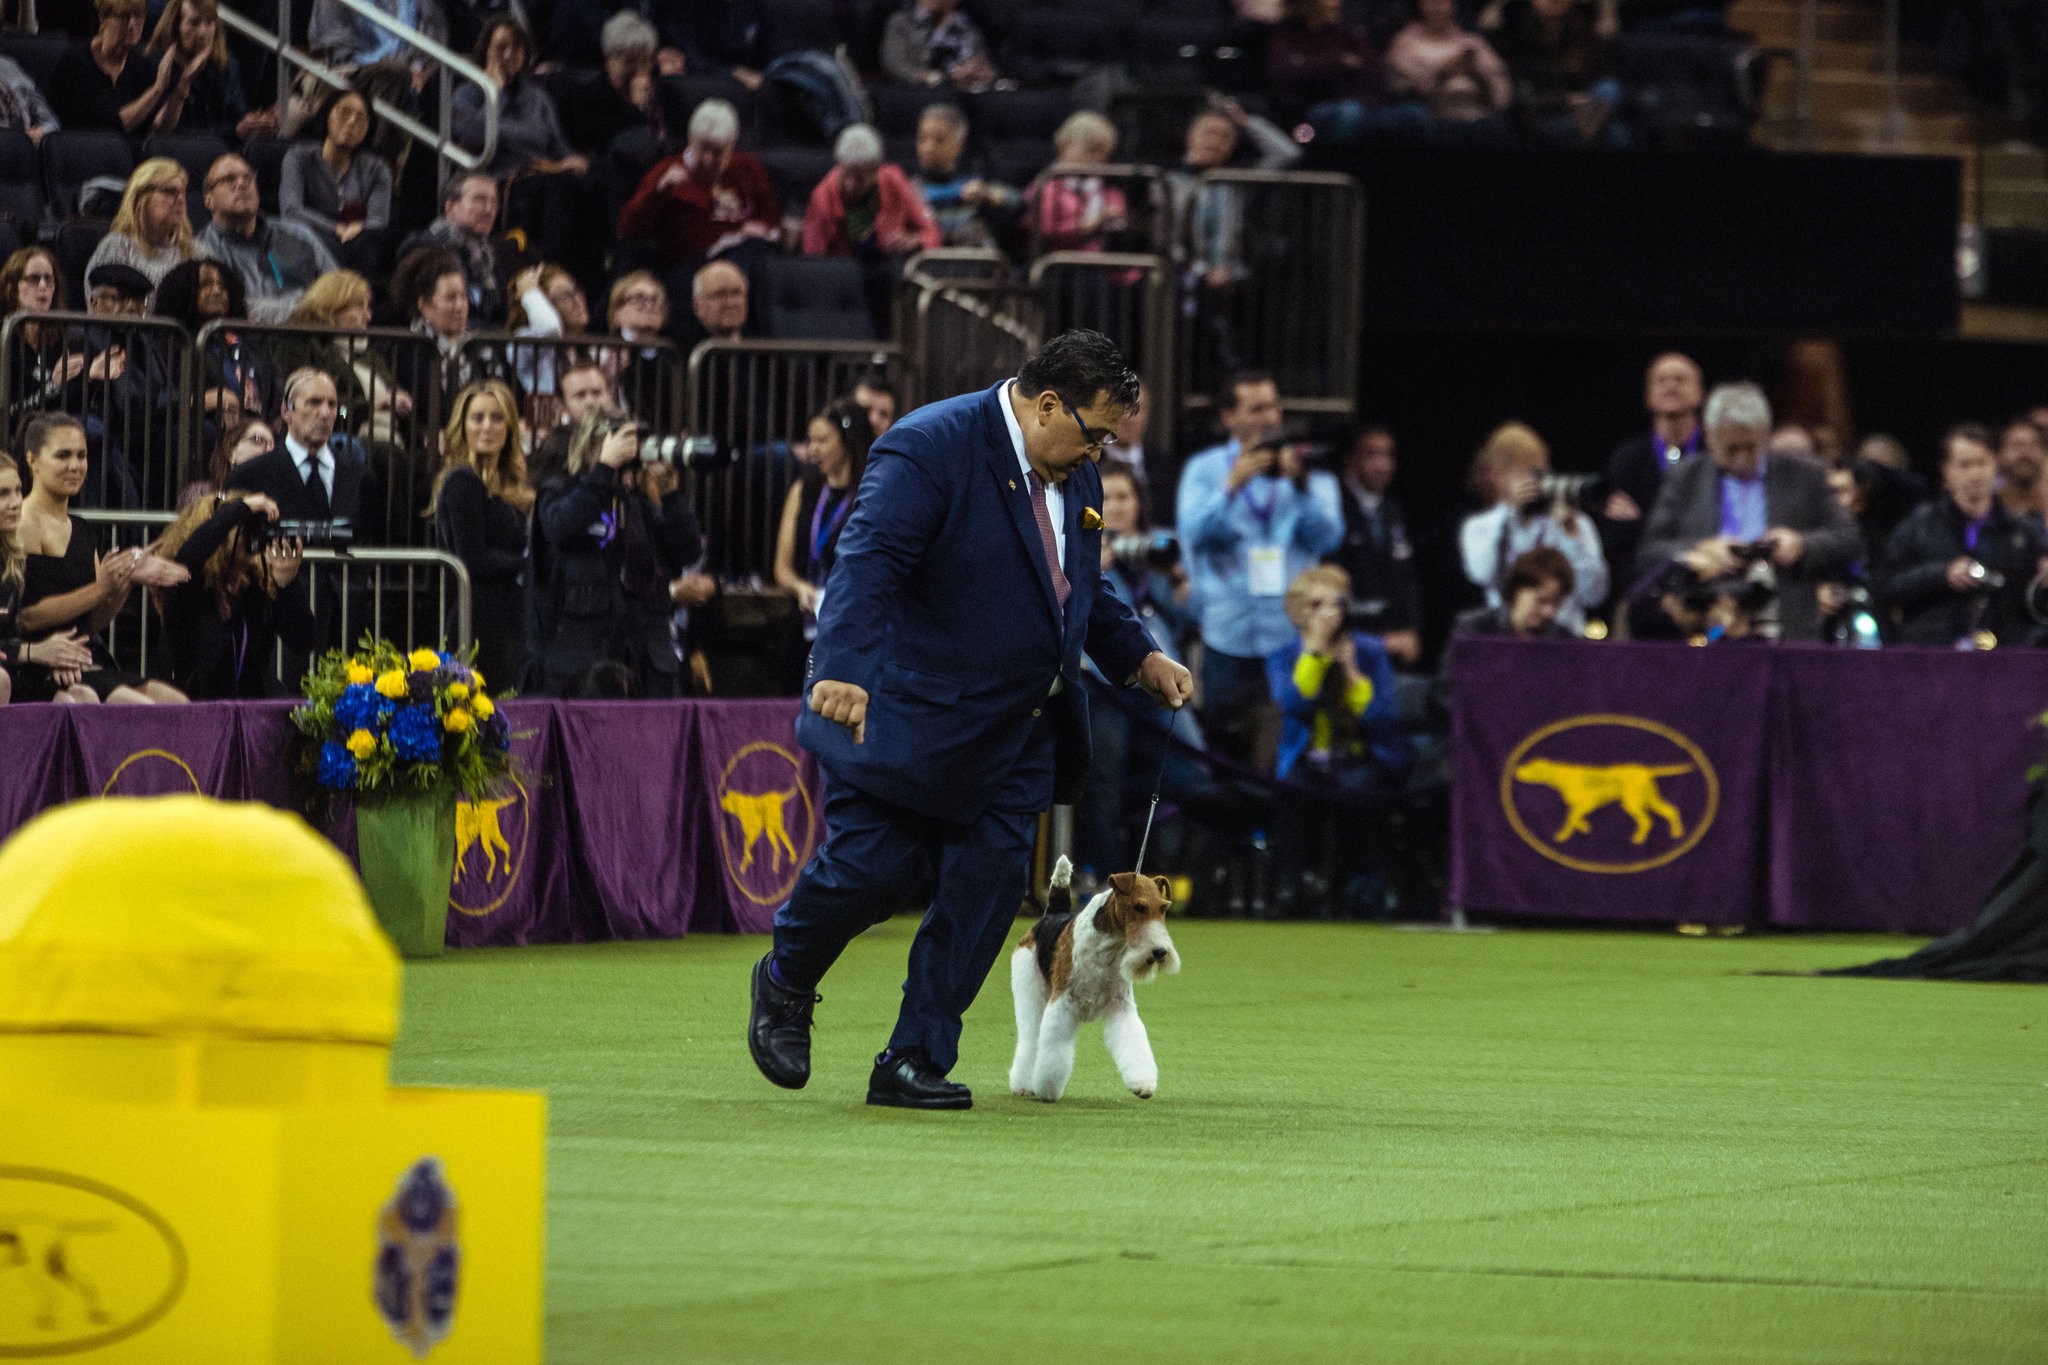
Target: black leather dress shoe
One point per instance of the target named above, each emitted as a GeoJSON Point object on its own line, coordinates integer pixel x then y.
{"type": "Point", "coordinates": [779, 1029]}
{"type": "Point", "coordinates": [908, 1080]}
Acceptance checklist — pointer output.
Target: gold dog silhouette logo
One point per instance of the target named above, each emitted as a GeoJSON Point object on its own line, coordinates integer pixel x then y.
{"type": "Point", "coordinates": [491, 839]}
{"type": "Point", "coordinates": [767, 824]}
{"type": "Point", "coordinates": [82, 1265]}
{"type": "Point", "coordinates": [1609, 793]}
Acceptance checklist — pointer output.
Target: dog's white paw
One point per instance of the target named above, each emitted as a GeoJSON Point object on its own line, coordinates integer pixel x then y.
{"type": "Point", "coordinates": [1144, 1090]}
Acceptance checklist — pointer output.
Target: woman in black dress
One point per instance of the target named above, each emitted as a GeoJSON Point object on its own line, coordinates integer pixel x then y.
{"type": "Point", "coordinates": [224, 623]}
{"type": "Point", "coordinates": [834, 457]}
{"type": "Point", "coordinates": [479, 508]}
{"type": "Point", "coordinates": [68, 586]}
{"type": "Point", "coordinates": [65, 654]}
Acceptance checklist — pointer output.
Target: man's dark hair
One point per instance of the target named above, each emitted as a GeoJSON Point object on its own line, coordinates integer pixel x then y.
{"type": "Point", "coordinates": [1371, 429]}
{"type": "Point", "coordinates": [1077, 365]}
{"type": "Point", "coordinates": [417, 275]}
{"type": "Point", "coordinates": [876, 379]}
{"type": "Point", "coordinates": [1534, 568]}
{"type": "Point", "coordinates": [1975, 432]}
{"type": "Point", "coordinates": [1226, 397]}
{"type": "Point", "coordinates": [460, 180]}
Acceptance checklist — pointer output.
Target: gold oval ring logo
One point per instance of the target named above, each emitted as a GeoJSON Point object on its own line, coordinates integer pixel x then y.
{"type": "Point", "coordinates": [82, 1265]}
{"type": "Point", "coordinates": [1646, 815]}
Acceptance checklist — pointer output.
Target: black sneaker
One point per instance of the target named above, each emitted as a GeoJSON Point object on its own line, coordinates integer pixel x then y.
{"type": "Point", "coordinates": [908, 1080]}
{"type": "Point", "coordinates": [779, 1029]}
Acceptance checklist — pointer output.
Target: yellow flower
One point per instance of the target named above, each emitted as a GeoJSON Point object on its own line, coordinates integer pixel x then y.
{"type": "Point", "coordinates": [424, 660]}
{"type": "Point", "coordinates": [478, 674]}
{"type": "Point", "coordinates": [362, 744]}
{"type": "Point", "coordinates": [483, 707]}
{"type": "Point", "coordinates": [458, 690]}
{"type": "Point", "coordinates": [456, 721]}
{"type": "Point", "coordinates": [391, 684]}
{"type": "Point", "coordinates": [359, 672]}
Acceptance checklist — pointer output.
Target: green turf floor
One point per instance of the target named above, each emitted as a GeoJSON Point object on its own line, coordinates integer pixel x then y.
{"type": "Point", "coordinates": [1367, 1145]}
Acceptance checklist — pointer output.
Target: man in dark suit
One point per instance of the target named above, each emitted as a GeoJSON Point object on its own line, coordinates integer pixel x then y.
{"type": "Point", "coordinates": [1672, 389]}
{"type": "Point", "coordinates": [1738, 494]}
{"type": "Point", "coordinates": [1376, 552]}
{"type": "Point", "coordinates": [945, 701]}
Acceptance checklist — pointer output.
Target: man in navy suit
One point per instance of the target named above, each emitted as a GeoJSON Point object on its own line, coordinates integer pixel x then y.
{"type": "Point", "coordinates": [945, 702]}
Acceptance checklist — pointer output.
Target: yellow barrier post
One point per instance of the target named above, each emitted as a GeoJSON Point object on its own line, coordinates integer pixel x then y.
{"type": "Point", "coordinates": [201, 1158]}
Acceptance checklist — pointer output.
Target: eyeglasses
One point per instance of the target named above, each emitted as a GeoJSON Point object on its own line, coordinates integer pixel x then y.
{"type": "Point", "coordinates": [1096, 440]}
{"type": "Point", "coordinates": [650, 300]}
{"type": "Point", "coordinates": [232, 178]}
{"type": "Point", "coordinates": [38, 279]}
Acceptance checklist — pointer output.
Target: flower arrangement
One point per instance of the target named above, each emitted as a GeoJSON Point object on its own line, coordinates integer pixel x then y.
{"type": "Point", "coordinates": [378, 722]}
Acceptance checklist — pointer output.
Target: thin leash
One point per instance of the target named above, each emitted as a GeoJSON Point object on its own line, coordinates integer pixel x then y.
{"type": "Point", "coordinates": [1158, 781]}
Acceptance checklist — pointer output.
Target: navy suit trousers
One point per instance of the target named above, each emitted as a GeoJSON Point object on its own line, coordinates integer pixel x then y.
{"type": "Point", "coordinates": [876, 858]}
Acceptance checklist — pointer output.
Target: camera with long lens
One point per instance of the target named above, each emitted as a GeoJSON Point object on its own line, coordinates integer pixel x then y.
{"type": "Point", "coordinates": [1752, 585]}
{"type": "Point", "coordinates": [337, 534]}
{"type": "Point", "coordinates": [1157, 551]}
{"type": "Point", "coordinates": [1985, 580]}
{"type": "Point", "coordinates": [1586, 492]}
{"type": "Point", "coordinates": [683, 452]}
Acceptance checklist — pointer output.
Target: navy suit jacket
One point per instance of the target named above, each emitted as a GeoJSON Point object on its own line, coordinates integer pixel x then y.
{"type": "Point", "coordinates": [940, 604]}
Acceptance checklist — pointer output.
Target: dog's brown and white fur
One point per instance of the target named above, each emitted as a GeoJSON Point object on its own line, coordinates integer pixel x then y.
{"type": "Point", "coordinates": [1086, 972]}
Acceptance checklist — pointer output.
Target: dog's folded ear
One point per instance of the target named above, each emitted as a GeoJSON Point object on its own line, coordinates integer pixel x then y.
{"type": "Point", "coordinates": [1123, 883]}
{"type": "Point", "coordinates": [1165, 889]}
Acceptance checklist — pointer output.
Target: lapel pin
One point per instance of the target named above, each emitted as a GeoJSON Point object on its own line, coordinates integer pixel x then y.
{"type": "Point", "coordinates": [1013, 485]}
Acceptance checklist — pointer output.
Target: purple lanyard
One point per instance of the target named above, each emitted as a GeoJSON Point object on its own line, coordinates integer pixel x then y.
{"type": "Point", "coordinates": [241, 650]}
{"type": "Point", "coordinates": [821, 531]}
{"type": "Point", "coordinates": [1972, 529]}
{"type": "Point", "coordinates": [1668, 454]}
{"type": "Point", "coordinates": [1264, 515]}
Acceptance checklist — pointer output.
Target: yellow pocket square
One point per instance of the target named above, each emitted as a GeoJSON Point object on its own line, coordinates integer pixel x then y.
{"type": "Point", "coordinates": [1091, 520]}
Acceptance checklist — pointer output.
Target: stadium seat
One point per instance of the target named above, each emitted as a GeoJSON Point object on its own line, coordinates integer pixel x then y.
{"type": "Point", "coordinates": [70, 159]}
{"type": "Point", "coordinates": [1169, 48]}
{"type": "Point", "coordinates": [35, 53]}
{"type": "Point", "coordinates": [76, 241]}
{"type": "Point", "coordinates": [1061, 45]}
{"type": "Point", "coordinates": [680, 96]}
{"type": "Point", "coordinates": [898, 107]}
{"type": "Point", "coordinates": [626, 163]}
{"type": "Point", "coordinates": [795, 172]}
{"type": "Point", "coordinates": [1016, 163]}
{"type": "Point", "coordinates": [13, 237]}
{"type": "Point", "coordinates": [1687, 89]}
{"type": "Point", "coordinates": [806, 25]}
{"type": "Point", "coordinates": [196, 152]}
{"type": "Point", "coordinates": [21, 196]}
{"type": "Point", "coordinates": [816, 298]}
{"type": "Point", "coordinates": [265, 156]}
{"type": "Point", "coordinates": [1019, 115]}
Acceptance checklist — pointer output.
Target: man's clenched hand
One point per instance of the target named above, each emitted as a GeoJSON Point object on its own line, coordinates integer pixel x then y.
{"type": "Point", "coordinates": [845, 704]}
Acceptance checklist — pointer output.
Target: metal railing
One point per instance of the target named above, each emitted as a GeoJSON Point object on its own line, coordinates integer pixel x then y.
{"type": "Point", "coordinates": [411, 597]}
{"type": "Point", "coordinates": [961, 337]}
{"type": "Point", "coordinates": [445, 61]}
{"type": "Point", "coordinates": [646, 375]}
{"type": "Point", "coordinates": [129, 379]}
{"type": "Point", "coordinates": [756, 398]}
{"type": "Point", "coordinates": [1129, 299]}
{"type": "Point", "coordinates": [1130, 204]}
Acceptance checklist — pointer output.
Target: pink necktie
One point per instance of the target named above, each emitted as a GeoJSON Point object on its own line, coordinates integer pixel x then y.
{"type": "Point", "coordinates": [1060, 587]}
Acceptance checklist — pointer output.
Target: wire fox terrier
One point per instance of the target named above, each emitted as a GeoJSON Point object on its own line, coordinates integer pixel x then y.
{"type": "Point", "coordinates": [1071, 968]}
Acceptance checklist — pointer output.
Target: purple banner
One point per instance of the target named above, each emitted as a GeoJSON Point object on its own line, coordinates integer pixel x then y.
{"type": "Point", "coordinates": [1610, 781]}
{"type": "Point", "coordinates": [1899, 783]}
{"type": "Point", "coordinates": [629, 819]}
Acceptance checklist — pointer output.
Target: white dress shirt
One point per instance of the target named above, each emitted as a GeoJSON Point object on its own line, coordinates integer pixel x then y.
{"type": "Point", "coordinates": [324, 457]}
{"type": "Point", "coordinates": [1055, 500]}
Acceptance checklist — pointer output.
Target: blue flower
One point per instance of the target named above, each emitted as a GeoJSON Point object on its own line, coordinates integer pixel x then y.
{"type": "Point", "coordinates": [359, 708]}
{"type": "Point", "coordinates": [497, 731]}
{"type": "Point", "coordinates": [416, 735]}
{"type": "Point", "coordinates": [337, 767]}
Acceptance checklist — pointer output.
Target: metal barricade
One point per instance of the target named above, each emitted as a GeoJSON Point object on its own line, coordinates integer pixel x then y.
{"type": "Point", "coordinates": [964, 337]}
{"type": "Point", "coordinates": [128, 379]}
{"type": "Point", "coordinates": [1097, 208]}
{"type": "Point", "coordinates": [392, 394]}
{"type": "Point", "coordinates": [646, 375]}
{"type": "Point", "coordinates": [1129, 299]}
{"type": "Point", "coordinates": [410, 597]}
{"type": "Point", "coordinates": [1272, 274]}
{"type": "Point", "coordinates": [756, 398]}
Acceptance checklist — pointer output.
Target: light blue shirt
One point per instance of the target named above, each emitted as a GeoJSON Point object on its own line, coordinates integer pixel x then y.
{"type": "Point", "coordinates": [1218, 531]}
{"type": "Point", "coordinates": [1743, 513]}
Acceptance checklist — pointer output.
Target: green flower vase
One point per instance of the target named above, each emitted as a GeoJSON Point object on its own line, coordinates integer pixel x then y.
{"type": "Point", "coordinates": [407, 847]}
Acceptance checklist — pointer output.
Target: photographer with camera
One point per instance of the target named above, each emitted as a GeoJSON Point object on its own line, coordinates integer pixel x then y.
{"type": "Point", "coordinates": [1252, 516]}
{"type": "Point", "coordinates": [1720, 514]}
{"type": "Point", "coordinates": [1531, 507]}
{"type": "Point", "coordinates": [606, 564]}
{"type": "Point", "coordinates": [223, 623]}
{"type": "Point", "coordinates": [1960, 567]}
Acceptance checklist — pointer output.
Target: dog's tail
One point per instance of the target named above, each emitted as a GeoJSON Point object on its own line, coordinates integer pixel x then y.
{"type": "Point", "coordinates": [1058, 899]}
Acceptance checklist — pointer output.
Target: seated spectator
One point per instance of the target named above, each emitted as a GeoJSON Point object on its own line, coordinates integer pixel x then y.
{"type": "Point", "coordinates": [22, 104]}
{"type": "Point", "coordinates": [339, 188]}
{"type": "Point", "coordinates": [1736, 496]}
{"type": "Point", "coordinates": [108, 84]}
{"type": "Point", "coordinates": [376, 61]}
{"type": "Point", "coordinates": [1536, 589]}
{"type": "Point", "coordinates": [933, 42]}
{"type": "Point", "coordinates": [206, 96]}
{"type": "Point", "coordinates": [1339, 735]}
{"type": "Point", "coordinates": [276, 259]}
{"type": "Point", "coordinates": [605, 566]}
{"type": "Point", "coordinates": [1077, 212]}
{"type": "Point", "coordinates": [1376, 554]}
{"type": "Point", "coordinates": [877, 395]}
{"type": "Point", "coordinates": [151, 232]}
{"type": "Point", "coordinates": [1962, 565]}
{"type": "Point", "coordinates": [718, 305]}
{"type": "Point", "coordinates": [530, 134]}
{"type": "Point", "coordinates": [67, 655]}
{"type": "Point", "coordinates": [623, 99]}
{"type": "Point", "coordinates": [547, 304]}
{"type": "Point", "coordinates": [736, 38]}
{"type": "Point", "coordinates": [44, 359]}
{"type": "Point", "coordinates": [1556, 53]}
{"type": "Point", "coordinates": [1253, 517]}
{"type": "Point", "coordinates": [865, 207]}
{"type": "Point", "coordinates": [129, 391]}
{"type": "Point", "coordinates": [431, 286]}
{"type": "Point", "coordinates": [372, 405]}
{"type": "Point", "coordinates": [970, 209]}
{"type": "Point", "coordinates": [479, 506]}
{"type": "Point", "coordinates": [1327, 74]}
{"type": "Point", "coordinates": [638, 311]}
{"type": "Point", "coordinates": [69, 590]}
{"type": "Point", "coordinates": [235, 378]}
{"type": "Point", "coordinates": [2022, 458]}
{"type": "Point", "coordinates": [1451, 71]}
{"type": "Point", "coordinates": [223, 624]}
{"type": "Point", "coordinates": [707, 200]}
{"type": "Point", "coordinates": [467, 229]}
{"type": "Point", "coordinates": [238, 444]}
{"type": "Point", "coordinates": [1519, 519]}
